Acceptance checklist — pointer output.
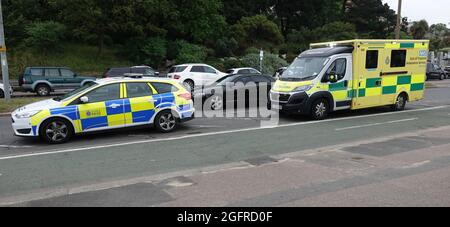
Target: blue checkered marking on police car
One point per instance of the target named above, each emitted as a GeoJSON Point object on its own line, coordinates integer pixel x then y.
{"type": "Point", "coordinates": [143, 116]}
{"type": "Point", "coordinates": [69, 111]}
{"type": "Point", "coordinates": [97, 122]}
{"type": "Point", "coordinates": [112, 111]}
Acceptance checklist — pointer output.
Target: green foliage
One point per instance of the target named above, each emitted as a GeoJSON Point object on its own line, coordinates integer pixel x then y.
{"type": "Point", "coordinates": [271, 62]}
{"type": "Point", "coordinates": [151, 51]}
{"type": "Point", "coordinates": [419, 29]}
{"type": "Point", "coordinates": [225, 47]}
{"type": "Point", "coordinates": [191, 53]}
{"type": "Point", "coordinates": [257, 31]}
{"type": "Point", "coordinates": [230, 63]}
{"type": "Point", "coordinates": [45, 36]}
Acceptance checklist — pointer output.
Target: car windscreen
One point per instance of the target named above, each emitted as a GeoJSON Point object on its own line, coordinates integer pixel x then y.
{"type": "Point", "coordinates": [304, 68]}
{"type": "Point", "coordinates": [76, 91]}
{"type": "Point", "coordinates": [226, 79]}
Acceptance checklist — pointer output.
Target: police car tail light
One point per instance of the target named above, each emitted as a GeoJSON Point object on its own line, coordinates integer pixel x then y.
{"type": "Point", "coordinates": [186, 96]}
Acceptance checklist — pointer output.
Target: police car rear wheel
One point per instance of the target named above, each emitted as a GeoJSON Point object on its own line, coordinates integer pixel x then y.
{"type": "Point", "coordinates": [319, 110]}
{"type": "Point", "coordinates": [166, 121]}
{"type": "Point", "coordinates": [56, 131]}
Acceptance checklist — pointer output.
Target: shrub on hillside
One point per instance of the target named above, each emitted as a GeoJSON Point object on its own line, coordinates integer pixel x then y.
{"type": "Point", "coordinates": [45, 36]}
{"type": "Point", "coordinates": [271, 62]}
{"type": "Point", "coordinates": [191, 53]}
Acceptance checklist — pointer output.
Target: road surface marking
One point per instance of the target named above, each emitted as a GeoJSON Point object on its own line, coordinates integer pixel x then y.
{"type": "Point", "coordinates": [14, 147]}
{"type": "Point", "coordinates": [210, 134]}
{"type": "Point", "coordinates": [375, 124]}
{"type": "Point", "coordinates": [416, 165]}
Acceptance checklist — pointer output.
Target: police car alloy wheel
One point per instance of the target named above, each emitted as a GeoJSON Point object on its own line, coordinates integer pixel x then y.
{"type": "Point", "coordinates": [319, 110]}
{"type": "Point", "coordinates": [56, 131]}
{"type": "Point", "coordinates": [166, 121]}
{"type": "Point", "coordinates": [43, 90]}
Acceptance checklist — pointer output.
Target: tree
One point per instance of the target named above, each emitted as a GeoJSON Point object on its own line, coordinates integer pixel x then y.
{"type": "Point", "coordinates": [45, 36]}
{"type": "Point", "coordinates": [372, 18]}
{"type": "Point", "coordinates": [419, 29]}
{"type": "Point", "coordinates": [439, 36]}
{"type": "Point", "coordinates": [257, 31]}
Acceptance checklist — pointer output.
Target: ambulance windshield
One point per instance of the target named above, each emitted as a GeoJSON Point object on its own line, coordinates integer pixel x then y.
{"type": "Point", "coordinates": [304, 68]}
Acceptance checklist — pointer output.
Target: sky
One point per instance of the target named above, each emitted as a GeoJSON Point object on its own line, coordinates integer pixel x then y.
{"type": "Point", "coordinates": [434, 11]}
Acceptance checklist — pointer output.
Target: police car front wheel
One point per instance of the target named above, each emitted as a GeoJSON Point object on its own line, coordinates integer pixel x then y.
{"type": "Point", "coordinates": [166, 121]}
{"type": "Point", "coordinates": [56, 131]}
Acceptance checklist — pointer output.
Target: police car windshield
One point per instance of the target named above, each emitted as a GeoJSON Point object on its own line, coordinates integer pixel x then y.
{"type": "Point", "coordinates": [75, 92]}
{"type": "Point", "coordinates": [306, 68]}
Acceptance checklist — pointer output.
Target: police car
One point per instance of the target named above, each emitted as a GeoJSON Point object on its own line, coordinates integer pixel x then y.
{"type": "Point", "coordinates": [106, 104]}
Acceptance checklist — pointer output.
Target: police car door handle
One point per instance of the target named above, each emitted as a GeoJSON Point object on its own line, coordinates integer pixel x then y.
{"type": "Point", "coordinates": [114, 106]}
{"type": "Point", "coordinates": [152, 100]}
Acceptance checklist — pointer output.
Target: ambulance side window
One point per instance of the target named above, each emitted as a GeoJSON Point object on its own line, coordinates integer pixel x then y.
{"type": "Point", "coordinates": [338, 68]}
{"type": "Point", "coordinates": [398, 58]}
{"type": "Point", "coordinates": [372, 59]}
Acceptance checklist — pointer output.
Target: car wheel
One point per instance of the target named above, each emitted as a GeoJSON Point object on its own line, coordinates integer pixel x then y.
{"type": "Point", "coordinates": [43, 90]}
{"type": "Point", "coordinates": [166, 121]}
{"type": "Point", "coordinates": [189, 84]}
{"type": "Point", "coordinates": [400, 103]}
{"type": "Point", "coordinates": [56, 131]}
{"type": "Point", "coordinates": [319, 109]}
{"type": "Point", "coordinates": [442, 77]}
{"type": "Point", "coordinates": [2, 94]}
{"type": "Point", "coordinates": [216, 103]}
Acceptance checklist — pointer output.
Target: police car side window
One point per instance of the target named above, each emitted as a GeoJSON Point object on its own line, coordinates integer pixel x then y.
{"type": "Point", "coordinates": [105, 93]}
{"type": "Point", "coordinates": [163, 88]}
{"type": "Point", "coordinates": [135, 90]}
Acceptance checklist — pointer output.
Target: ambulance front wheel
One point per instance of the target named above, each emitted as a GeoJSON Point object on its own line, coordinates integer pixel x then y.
{"type": "Point", "coordinates": [400, 103]}
{"type": "Point", "coordinates": [319, 109]}
{"type": "Point", "coordinates": [166, 121]}
{"type": "Point", "coordinates": [56, 131]}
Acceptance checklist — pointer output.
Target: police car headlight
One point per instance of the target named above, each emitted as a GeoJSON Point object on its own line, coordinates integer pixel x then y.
{"type": "Point", "coordinates": [27, 114]}
{"type": "Point", "coordinates": [303, 88]}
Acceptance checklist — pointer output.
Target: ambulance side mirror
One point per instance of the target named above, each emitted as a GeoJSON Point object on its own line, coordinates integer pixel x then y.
{"type": "Point", "coordinates": [84, 99]}
{"type": "Point", "coordinates": [331, 77]}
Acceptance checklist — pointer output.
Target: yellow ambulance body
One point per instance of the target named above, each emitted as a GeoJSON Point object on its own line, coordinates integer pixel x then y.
{"type": "Point", "coordinates": [353, 74]}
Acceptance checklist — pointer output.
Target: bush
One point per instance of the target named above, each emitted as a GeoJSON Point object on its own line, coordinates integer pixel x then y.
{"type": "Point", "coordinates": [231, 63]}
{"type": "Point", "coordinates": [151, 51]}
{"type": "Point", "coordinates": [45, 36]}
{"type": "Point", "coordinates": [191, 53]}
{"type": "Point", "coordinates": [271, 62]}
{"type": "Point", "coordinates": [225, 47]}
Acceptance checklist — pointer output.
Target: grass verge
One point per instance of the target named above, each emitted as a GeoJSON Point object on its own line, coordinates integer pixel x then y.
{"type": "Point", "coordinates": [7, 107]}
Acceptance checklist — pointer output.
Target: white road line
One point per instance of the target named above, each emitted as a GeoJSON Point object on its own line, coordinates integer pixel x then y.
{"type": "Point", "coordinates": [211, 134]}
{"type": "Point", "coordinates": [375, 124]}
{"type": "Point", "coordinates": [14, 147]}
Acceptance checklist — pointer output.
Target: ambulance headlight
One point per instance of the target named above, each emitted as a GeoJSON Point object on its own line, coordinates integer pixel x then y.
{"type": "Point", "coordinates": [303, 88]}
{"type": "Point", "coordinates": [27, 114]}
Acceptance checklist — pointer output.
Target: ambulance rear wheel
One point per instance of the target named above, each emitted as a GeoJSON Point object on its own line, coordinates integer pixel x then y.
{"type": "Point", "coordinates": [319, 109]}
{"type": "Point", "coordinates": [400, 103]}
{"type": "Point", "coordinates": [166, 121]}
{"type": "Point", "coordinates": [56, 131]}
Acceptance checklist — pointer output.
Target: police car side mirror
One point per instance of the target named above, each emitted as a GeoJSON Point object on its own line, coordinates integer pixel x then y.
{"type": "Point", "coordinates": [84, 99]}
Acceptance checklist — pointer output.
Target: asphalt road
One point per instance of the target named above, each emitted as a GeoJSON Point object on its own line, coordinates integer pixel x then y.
{"type": "Point", "coordinates": [30, 169]}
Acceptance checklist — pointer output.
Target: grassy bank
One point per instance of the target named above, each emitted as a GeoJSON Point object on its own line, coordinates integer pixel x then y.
{"type": "Point", "coordinates": [7, 107]}
{"type": "Point", "coordinates": [80, 58]}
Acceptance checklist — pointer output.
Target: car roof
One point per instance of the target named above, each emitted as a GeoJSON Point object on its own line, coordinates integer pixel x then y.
{"type": "Point", "coordinates": [192, 64]}
{"type": "Point", "coordinates": [128, 79]}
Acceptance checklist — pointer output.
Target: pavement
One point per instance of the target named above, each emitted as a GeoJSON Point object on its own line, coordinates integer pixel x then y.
{"type": "Point", "coordinates": [371, 157]}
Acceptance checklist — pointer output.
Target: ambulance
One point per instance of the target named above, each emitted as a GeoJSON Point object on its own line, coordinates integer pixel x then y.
{"type": "Point", "coordinates": [354, 74]}
{"type": "Point", "coordinates": [106, 104]}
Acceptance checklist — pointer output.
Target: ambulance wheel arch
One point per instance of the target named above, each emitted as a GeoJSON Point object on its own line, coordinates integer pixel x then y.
{"type": "Point", "coordinates": [400, 101]}
{"type": "Point", "coordinates": [321, 95]}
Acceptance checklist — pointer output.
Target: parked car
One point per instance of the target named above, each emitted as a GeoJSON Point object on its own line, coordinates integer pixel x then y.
{"type": "Point", "coordinates": [228, 85]}
{"type": "Point", "coordinates": [243, 71]}
{"type": "Point", "coordinates": [447, 69]}
{"type": "Point", "coordinates": [44, 80]}
{"type": "Point", "coordinates": [2, 90]}
{"type": "Point", "coordinates": [279, 72]}
{"type": "Point", "coordinates": [145, 71]}
{"type": "Point", "coordinates": [436, 72]}
{"type": "Point", "coordinates": [193, 75]}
